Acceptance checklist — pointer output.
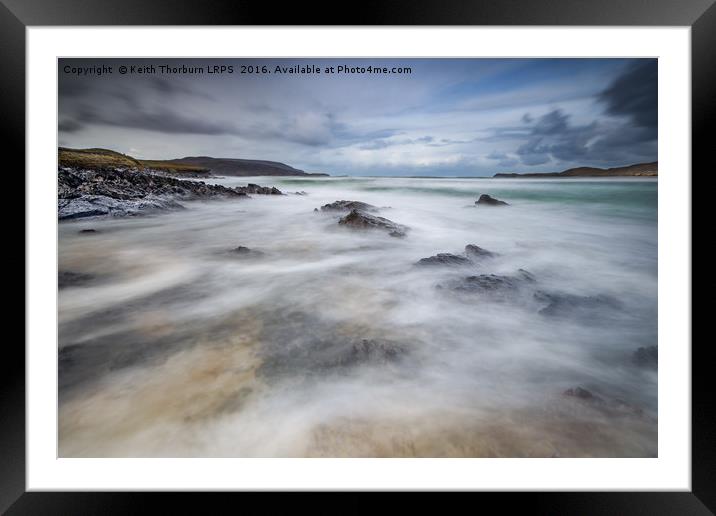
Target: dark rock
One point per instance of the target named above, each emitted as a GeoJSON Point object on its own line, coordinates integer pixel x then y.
{"type": "Point", "coordinates": [476, 253]}
{"type": "Point", "coordinates": [100, 205]}
{"type": "Point", "coordinates": [374, 350]}
{"type": "Point", "coordinates": [445, 259]}
{"type": "Point", "coordinates": [484, 282]}
{"type": "Point", "coordinates": [647, 357]}
{"type": "Point", "coordinates": [246, 252]}
{"type": "Point", "coordinates": [73, 279]}
{"type": "Point", "coordinates": [252, 188]}
{"type": "Point", "coordinates": [300, 193]}
{"type": "Point", "coordinates": [360, 220]}
{"type": "Point", "coordinates": [488, 200]}
{"type": "Point", "coordinates": [87, 231]}
{"type": "Point", "coordinates": [525, 275]}
{"type": "Point", "coordinates": [120, 192]}
{"type": "Point", "coordinates": [348, 206]}
{"type": "Point", "coordinates": [568, 304]}
{"type": "Point", "coordinates": [607, 405]}
{"type": "Point", "coordinates": [490, 284]}
{"type": "Point", "coordinates": [301, 344]}
{"type": "Point", "coordinates": [583, 395]}
{"type": "Point", "coordinates": [472, 253]}
{"type": "Point", "coordinates": [322, 355]}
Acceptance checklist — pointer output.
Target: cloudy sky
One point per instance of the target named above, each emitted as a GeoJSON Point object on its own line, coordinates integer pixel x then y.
{"type": "Point", "coordinates": [452, 117]}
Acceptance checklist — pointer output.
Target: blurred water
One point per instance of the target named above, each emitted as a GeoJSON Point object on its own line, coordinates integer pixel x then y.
{"type": "Point", "coordinates": [332, 343]}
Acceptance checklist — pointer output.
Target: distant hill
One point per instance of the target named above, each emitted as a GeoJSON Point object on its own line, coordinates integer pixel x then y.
{"type": "Point", "coordinates": [189, 166]}
{"type": "Point", "coordinates": [242, 167]}
{"type": "Point", "coordinates": [640, 169]}
{"type": "Point", "coordinates": [105, 158]}
{"type": "Point", "coordinates": [95, 158]}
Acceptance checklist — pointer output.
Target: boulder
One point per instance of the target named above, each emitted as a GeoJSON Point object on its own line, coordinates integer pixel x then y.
{"type": "Point", "coordinates": [472, 253]}
{"type": "Point", "coordinates": [348, 206]}
{"type": "Point", "coordinates": [360, 220]}
{"type": "Point", "coordinates": [475, 252]}
{"type": "Point", "coordinates": [559, 304]}
{"type": "Point", "coordinates": [583, 394]}
{"type": "Point", "coordinates": [246, 252]}
{"type": "Point", "coordinates": [487, 200]}
{"type": "Point", "coordinates": [489, 283]}
{"type": "Point", "coordinates": [448, 259]}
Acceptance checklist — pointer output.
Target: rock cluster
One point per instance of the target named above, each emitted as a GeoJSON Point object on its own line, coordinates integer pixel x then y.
{"type": "Point", "coordinates": [256, 189]}
{"type": "Point", "coordinates": [121, 192]}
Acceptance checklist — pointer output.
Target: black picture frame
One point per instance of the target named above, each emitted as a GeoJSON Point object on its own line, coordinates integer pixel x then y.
{"type": "Point", "coordinates": [17, 15]}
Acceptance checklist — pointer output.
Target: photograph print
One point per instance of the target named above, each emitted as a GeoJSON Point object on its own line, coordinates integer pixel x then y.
{"type": "Point", "coordinates": [374, 257]}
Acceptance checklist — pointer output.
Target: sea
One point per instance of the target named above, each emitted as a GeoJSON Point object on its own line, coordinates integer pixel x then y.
{"type": "Point", "coordinates": [325, 340]}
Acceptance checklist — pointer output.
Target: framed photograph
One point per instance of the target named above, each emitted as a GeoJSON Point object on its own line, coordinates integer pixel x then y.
{"type": "Point", "coordinates": [443, 248]}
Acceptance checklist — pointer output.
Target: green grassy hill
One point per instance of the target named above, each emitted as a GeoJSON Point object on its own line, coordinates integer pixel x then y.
{"type": "Point", "coordinates": [105, 158]}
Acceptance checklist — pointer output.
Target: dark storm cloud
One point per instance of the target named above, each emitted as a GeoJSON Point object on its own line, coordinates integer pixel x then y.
{"type": "Point", "coordinates": [163, 120]}
{"type": "Point", "coordinates": [625, 134]}
{"type": "Point", "coordinates": [553, 138]}
{"type": "Point", "coordinates": [70, 86]}
{"type": "Point", "coordinates": [554, 122]}
{"type": "Point", "coordinates": [174, 87]}
{"type": "Point", "coordinates": [635, 95]}
{"type": "Point", "coordinates": [69, 126]}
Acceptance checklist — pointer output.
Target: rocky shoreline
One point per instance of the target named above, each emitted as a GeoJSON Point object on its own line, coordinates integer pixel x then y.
{"type": "Point", "coordinates": [119, 192]}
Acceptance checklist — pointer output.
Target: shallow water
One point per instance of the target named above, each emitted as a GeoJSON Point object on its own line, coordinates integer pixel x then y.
{"type": "Point", "coordinates": [333, 343]}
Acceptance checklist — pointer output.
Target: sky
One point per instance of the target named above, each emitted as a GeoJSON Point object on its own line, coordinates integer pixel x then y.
{"type": "Point", "coordinates": [443, 117]}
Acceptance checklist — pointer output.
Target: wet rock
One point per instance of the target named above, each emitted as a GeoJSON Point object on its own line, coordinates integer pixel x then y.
{"type": "Point", "coordinates": [301, 344]}
{"type": "Point", "coordinates": [252, 188]}
{"type": "Point", "coordinates": [484, 282]}
{"type": "Point", "coordinates": [487, 200]}
{"type": "Point", "coordinates": [560, 305]}
{"type": "Point", "coordinates": [73, 279]}
{"type": "Point", "coordinates": [100, 205]}
{"type": "Point", "coordinates": [374, 350]}
{"type": "Point", "coordinates": [583, 394]}
{"type": "Point", "coordinates": [489, 283]}
{"type": "Point", "coordinates": [360, 220]}
{"type": "Point", "coordinates": [445, 259]}
{"type": "Point", "coordinates": [82, 364]}
{"type": "Point", "coordinates": [325, 354]}
{"type": "Point", "coordinates": [475, 252]}
{"type": "Point", "coordinates": [349, 206]}
{"type": "Point", "coordinates": [647, 357]}
{"type": "Point", "coordinates": [472, 254]}
{"type": "Point", "coordinates": [87, 231]}
{"type": "Point", "coordinates": [121, 192]}
{"type": "Point", "coordinates": [246, 252]}
{"type": "Point", "coordinates": [525, 275]}
{"type": "Point", "coordinates": [609, 406]}
{"type": "Point", "coordinates": [300, 193]}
